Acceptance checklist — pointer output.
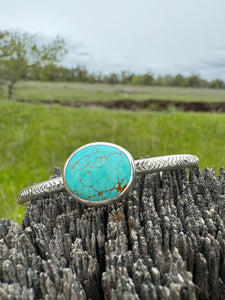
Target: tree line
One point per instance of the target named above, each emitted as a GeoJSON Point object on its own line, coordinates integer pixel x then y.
{"type": "Point", "coordinates": [56, 73]}
{"type": "Point", "coordinates": [22, 58]}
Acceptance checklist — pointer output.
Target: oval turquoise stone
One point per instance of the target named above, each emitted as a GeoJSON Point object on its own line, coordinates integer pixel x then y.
{"type": "Point", "coordinates": [98, 172]}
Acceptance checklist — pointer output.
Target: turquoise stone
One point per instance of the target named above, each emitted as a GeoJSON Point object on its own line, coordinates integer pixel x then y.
{"type": "Point", "coordinates": [98, 172]}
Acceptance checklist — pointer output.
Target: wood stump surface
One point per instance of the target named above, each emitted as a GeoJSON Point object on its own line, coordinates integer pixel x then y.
{"type": "Point", "coordinates": [166, 240]}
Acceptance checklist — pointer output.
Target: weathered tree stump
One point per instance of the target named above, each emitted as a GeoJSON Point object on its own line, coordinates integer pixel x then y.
{"type": "Point", "coordinates": [166, 240]}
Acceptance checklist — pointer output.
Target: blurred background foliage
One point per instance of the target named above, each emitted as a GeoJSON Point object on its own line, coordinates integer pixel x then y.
{"type": "Point", "coordinates": [80, 74]}
{"type": "Point", "coordinates": [36, 138]}
{"type": "Point", "coordinates": [22, 58]}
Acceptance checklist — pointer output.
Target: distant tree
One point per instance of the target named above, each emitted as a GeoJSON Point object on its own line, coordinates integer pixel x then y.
{"type": "Point", "coordinates": [50, 72]}
{"type": "Point", "coordinates": [193, 81]}
{"type": "Point", "coordinates": [178, 80]}
{"type": "Point", "coordinates": [168, 80]}
{"type": "Point", "coordinates": [99, 77]}
{"type": "Point", "coordinates": [79, 74]}
{"type": "Point", "coordinates": [19, 52]}
{"type": "Point", "coordinates": [146, 79]}
{"type": "Point", "coordinates": [126, 77]}
{"type": "Point", "coordinates": [217, 84]}
{"type": "Point", "coordinates": [159, 81]}
{"type": "Point", "coordinates": [164, 80]}
{"type": "Point", "coordinates": [113, 78]}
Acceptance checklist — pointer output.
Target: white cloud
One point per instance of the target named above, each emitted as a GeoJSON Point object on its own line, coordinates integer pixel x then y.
{"type": "Point", "coordinates": [159, 36]}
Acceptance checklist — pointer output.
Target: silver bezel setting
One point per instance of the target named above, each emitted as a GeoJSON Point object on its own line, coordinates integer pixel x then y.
{"type": "Point", "coordinates": [103, 202]}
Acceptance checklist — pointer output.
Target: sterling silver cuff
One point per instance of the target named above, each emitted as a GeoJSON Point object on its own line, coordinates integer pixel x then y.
{"type": "Point", "coordinates": [101, 173]}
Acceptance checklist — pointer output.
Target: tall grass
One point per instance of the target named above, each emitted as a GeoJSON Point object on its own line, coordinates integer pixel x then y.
{"type": "Point", "coordinates": [36, 138]}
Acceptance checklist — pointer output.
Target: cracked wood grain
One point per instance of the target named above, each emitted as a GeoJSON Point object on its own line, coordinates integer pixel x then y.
{"type": "Point", "coordinates": [166, 240]}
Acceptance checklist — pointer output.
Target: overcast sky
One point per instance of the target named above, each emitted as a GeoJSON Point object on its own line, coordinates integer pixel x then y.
{"type": "Point", "coordinates": [161, 36]}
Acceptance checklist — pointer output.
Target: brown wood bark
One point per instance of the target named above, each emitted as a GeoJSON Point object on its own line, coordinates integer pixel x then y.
{"type": "Point", "coordinates": [166, 240]}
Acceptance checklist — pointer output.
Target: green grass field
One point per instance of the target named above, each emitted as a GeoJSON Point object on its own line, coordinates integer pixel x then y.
{"type": "Point", "coordinates": [36, 138]}
{"type": "Point", "coordinates": [80, 92]}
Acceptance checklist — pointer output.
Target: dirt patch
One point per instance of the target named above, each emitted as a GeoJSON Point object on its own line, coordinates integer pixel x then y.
{"type": "Point", "coordinates": [133, 105]}
{"type": "Point", "coordinates": [167, 105]}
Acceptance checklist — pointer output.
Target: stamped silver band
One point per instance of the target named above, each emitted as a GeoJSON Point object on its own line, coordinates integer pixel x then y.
{"type": "Point", "coordinates": [142, 166]}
